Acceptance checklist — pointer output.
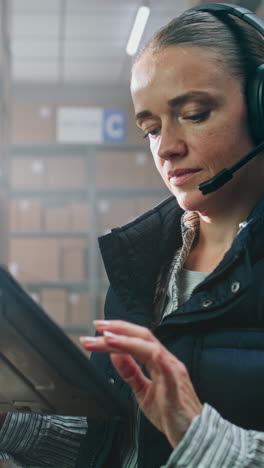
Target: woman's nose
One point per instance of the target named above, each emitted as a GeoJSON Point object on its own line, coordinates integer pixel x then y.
{"type": "Point", "coordinates": [171, 145]}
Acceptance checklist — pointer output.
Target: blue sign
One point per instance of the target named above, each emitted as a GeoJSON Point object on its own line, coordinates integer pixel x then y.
{"type": "Point", "coordinates": [114, 126]}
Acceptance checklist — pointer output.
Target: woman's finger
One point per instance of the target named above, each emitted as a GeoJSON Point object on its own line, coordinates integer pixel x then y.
{"type": "Point", "coordinates": [131, 373]}
{"type": "Point", "coordinates": [111, 342]}
{"type": "Point", "coordinates": [120, 327]}
{"type": "Point", "coordinates": [96, 343]}
{"type": "Point", "coordinates": [146, 352]}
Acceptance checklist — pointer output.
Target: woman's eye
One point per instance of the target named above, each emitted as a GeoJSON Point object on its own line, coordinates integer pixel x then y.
{"type": "Point", "coordinates": [198, 117]}
{"type": "Point", "coordinates": [152, 132]}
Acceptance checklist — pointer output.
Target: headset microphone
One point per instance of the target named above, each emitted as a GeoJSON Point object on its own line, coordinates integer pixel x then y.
{"type": "Point", "coordinates": [226, 174]}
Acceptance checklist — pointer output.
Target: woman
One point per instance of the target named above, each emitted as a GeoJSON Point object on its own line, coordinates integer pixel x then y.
{"type": "Point", "coordinates": [191, 270]}
{"type": "Point", "coordinates": [188, 90]}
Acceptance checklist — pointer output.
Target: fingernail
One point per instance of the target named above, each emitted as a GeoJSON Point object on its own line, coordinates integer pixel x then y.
{"type": "Point", "coordinates": [102, 323]}
{"type": "Point", "coordinates": [110, 334]}
{"type": "Point", "coordinates": [85, 339]}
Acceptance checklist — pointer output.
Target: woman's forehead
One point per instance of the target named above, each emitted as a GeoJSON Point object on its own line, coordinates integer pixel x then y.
{"type": "Point", "coordinates": [177, 65]}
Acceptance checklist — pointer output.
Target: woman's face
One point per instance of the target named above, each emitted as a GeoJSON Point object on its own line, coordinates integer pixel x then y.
{"type": "Point", "coordinates": [194, 114]}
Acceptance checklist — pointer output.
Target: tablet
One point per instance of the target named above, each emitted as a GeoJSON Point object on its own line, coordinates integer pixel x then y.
{"type": "Point", "coordinates": [41, 369]}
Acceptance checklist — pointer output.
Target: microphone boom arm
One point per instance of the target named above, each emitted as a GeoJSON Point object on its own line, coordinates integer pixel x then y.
{"type": "Point", "coordinates": [226, 174]}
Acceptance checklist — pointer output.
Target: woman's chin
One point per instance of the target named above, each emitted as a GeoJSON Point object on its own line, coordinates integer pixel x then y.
{"type": "Point", "coordinates": [191, 201]}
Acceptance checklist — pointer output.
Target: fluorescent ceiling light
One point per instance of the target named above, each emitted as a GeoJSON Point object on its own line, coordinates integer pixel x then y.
{"type": "Point", "coordinates": [137, 30]}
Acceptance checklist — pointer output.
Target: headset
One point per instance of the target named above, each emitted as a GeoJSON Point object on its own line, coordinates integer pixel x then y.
{"type": "Point", "coordinates": [254, 91]}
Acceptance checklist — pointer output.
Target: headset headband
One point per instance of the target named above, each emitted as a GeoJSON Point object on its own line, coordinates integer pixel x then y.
{"type": "Point", "coordinates": [240, 12]}
{"type": "Point", "coordinates": [255, 84]}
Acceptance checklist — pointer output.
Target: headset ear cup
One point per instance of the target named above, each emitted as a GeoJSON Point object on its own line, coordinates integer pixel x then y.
{"type": "Point", "coordinates": [255, 103]}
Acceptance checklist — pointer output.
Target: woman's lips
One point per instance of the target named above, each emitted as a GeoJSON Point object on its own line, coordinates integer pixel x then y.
{"type": "Point", "coordinates": [182, 176]}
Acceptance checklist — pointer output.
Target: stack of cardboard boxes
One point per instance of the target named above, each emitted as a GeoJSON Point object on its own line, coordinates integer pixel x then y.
{"type": "Point", "coordinates": [62, 198]}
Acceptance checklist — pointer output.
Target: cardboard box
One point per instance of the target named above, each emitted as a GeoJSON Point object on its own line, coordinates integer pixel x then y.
{"type": "Point", "coordinates": [66, 217]}
{"type": "Point", "coordinates": [145, 172]}
{"type": "Point", "coordinates": [80, 214]}
{"type": "Point", "coordinates": [127, 170]}
{"type": "Point", "coordinates": [57, 218]}
{"type": "Point", "coordinates": [66, 172]}
{"type": "Point", "coordinates": [73, 254]}
{"type": "Point", "coordinates": [34, 259]}
{"type": "Point", "coordinates": [29, 212]}
{"type": "Point", "coordinates": [79, 308]}
{"type": "Point", "coordinates": [140, 167]}
{"type": "Point", "coordinates": [25, 215]}
{"type": "Point", "coordinates": [73, 264]}
{"type": "Point", "coordinates": [27, 172]}
{"type": "Point", "coordinates": [114, 169]}
{"type": "Point", "coordinates": [33, 123]}
{"type": "Point", "coordinates": [54, 302]}
{"type": "Point", "coordinates": [114, 212]}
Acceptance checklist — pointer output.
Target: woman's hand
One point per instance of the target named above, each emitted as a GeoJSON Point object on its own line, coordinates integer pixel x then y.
{"type": "Point", "coordinates": [167, 397]}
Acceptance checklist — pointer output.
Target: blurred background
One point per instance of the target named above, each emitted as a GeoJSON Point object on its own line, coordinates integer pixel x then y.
{"type": "Point", "coordinates": [72, 162]}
